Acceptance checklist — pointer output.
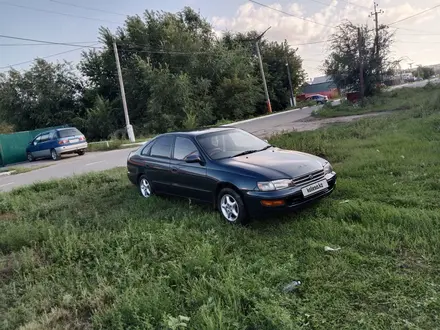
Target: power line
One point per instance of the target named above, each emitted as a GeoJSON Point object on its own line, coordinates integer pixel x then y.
{"type": "Point", "coordinates": [42, 41]}
{"type": "Point", "coordinates": [88, 8]}
{"type": "Point", "coordinates": [26, 62]}
{"type": "Point", "coordinates": [419, 13]}
{"type": "Point", "coordinates": [289, 14]}
{"type": "Point", "coordinates": [73, 43]}
{"type": "Point", "coordinates": [56, 12]}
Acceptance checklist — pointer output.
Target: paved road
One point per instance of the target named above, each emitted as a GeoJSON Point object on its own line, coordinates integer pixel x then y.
{"type": "Point", "coordinates": [98, 161]}
{"type": "Point", "coordinates": [67, 166]}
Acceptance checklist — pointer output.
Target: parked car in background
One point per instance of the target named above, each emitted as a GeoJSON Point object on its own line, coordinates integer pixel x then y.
{"type": "Point", "coordinates": [54, 143]}
{"type": "Point", "coordinates": [318, 98]}
{"type": "Point", "coordinates": [239, 174]}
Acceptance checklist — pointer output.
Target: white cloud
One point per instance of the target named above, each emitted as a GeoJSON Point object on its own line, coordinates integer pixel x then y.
{"type": "Point", "coordinates": [250, 16]}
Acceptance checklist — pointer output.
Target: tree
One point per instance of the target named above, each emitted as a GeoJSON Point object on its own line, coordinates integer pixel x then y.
{"type": "Point", "coordinates": [424, 72]}
{"type": "Point", "coordinates": [45, 95]}
{"type": "Point", "coordinates": [352, 46]}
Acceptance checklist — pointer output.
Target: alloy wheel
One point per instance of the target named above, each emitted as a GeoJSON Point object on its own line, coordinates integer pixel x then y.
{"type": "Point", "coordinates": [229, 208]}
{"type": "Point", "coordinates": [145, 188]}
{"type": "Point", "coordinates": [54, 155]}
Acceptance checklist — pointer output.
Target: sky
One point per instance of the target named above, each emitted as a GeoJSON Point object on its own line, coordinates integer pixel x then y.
{"type": "Point", "coordinates": [417, 40]}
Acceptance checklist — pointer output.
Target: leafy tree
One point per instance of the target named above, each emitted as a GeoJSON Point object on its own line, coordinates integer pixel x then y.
{"type": "Point", "coordinates": [424, 72]}
{"type": "Point", "coordinates": [45, 95]}
{"type": "Point", "coordinates": [349, 49]}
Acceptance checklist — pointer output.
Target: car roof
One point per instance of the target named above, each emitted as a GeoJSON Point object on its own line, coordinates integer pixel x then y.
{"type": "Point", "coordinates": [201, 131]}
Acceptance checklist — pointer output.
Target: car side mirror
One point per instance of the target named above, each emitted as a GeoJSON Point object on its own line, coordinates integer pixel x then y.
{"type": "Point", "coordinates": [266, 141]}
{"type": "Point", "coordinates": [193, 158]}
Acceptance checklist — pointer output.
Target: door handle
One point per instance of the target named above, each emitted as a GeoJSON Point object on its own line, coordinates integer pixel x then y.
{"type": "Point", "coordinates": [174, 169]}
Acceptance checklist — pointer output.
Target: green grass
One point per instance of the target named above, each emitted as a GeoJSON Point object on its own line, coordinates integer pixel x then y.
{"type": "Point", "coordinates": [399, 99]}
{"type": "Point", "coordinates": [20, 170]}
{"type": "Point", "coordinates": [88, 252]}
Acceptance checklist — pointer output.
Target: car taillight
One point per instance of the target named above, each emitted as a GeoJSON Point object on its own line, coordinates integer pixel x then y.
{"type": "Point", "coordinates": [63, 141]}
{"type": "Point", "coordinates": [82, 138]}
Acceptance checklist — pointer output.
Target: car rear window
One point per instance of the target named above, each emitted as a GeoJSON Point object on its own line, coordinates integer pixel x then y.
{"type": "Point", "coordinates": [68, 132]}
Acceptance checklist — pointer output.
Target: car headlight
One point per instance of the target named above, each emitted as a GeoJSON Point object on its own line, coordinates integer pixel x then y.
{"type": "Point", "coordinates": [327, 168]}
{"type": "Point", "coordinates": [274, 185]}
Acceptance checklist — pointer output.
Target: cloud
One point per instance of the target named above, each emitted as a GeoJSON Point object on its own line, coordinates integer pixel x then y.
{"type": "Point", "coordinates": [302, 29]}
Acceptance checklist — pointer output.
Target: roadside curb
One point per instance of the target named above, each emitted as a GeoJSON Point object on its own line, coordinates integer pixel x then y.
{"type": "Point", "coordinates": [7, 173]}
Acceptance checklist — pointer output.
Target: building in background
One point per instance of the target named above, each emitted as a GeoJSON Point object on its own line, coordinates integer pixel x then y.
{"type": "Point", "coordinates": [320, 85]}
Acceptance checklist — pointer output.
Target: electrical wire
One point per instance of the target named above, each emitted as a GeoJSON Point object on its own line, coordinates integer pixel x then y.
{"type": "Point", "coordinates": [57, 13]}
{"type": "Point", "coordinates": [57, 54]}
{"type": "Point", "coordinates": [88, 8]}
{"type": "Point", "coordinates": [289, 14]}
{"type": "Point", "coordinates": [44, 41]}
{"type": "Point", "coordinates": [419, 13]}
{"type": "Point", "coordinates": [73, 43]}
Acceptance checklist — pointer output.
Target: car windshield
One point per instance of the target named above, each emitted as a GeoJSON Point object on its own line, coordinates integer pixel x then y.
{"type": "Point", "coordinates": [69, 132]}
{"type": "Point", "coordinates": [230, 143]}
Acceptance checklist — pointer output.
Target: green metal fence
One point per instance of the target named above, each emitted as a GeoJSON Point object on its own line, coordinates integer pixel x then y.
{"type": "Point", "coordinates": [13, 146]}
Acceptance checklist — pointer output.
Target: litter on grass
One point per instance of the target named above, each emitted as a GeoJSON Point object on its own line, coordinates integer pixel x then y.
{"type": "Point", "coordinates": [330, 249]}
{"type": "Point", "coordinates": [291, 286]}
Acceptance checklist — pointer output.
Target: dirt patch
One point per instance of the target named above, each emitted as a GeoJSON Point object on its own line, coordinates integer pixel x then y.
{"type": "Point", "coordinates": [312, 123]}
{"type": "Point", "coordinates": [8, 216]}
{"type": "Point", "coordinates": [6, 267]}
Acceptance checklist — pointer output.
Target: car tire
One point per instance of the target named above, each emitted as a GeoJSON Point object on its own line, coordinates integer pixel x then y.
{"type": "Point", "coordinates": [81, 152]}
{"type": "Point", "coordinates": [29, 156]}
{"type": "Point", "coordinates": [231, 207]}
{"type": "Point", "coordinates": [145, 187]}
{"type": "Point", "coordinates": [54, 155]}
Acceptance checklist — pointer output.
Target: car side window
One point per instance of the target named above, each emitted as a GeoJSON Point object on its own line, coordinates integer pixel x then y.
{"type": "Point", "coordinates": [146, 150]}
{"type": "Point", "coordinates": [162, 147]}
{"type": "Point", "coordinates": [183, 148]}
{"type": "Point", "coordinates": [37, 140]}
{"type": "Point", "coordinates": [44, 137]}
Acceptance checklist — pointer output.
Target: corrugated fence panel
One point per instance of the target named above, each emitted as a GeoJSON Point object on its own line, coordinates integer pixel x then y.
{"type": "Point", "coordinates": [13, 146]}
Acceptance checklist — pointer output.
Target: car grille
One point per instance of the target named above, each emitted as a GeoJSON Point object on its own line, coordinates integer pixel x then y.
{"type": "Point", "coordinates": [309, 178]}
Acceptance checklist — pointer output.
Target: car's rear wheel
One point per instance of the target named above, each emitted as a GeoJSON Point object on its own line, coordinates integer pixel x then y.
{"type": "Point", "coordinates": [231, 206]}
{"type": "Point", "coordinates": [145, 188]}
{"type": "Point", "coordinates": [81, 152]}
{"type": "Point", "coordinates": [54, 155]}
{"type": "Point", "coordinates": [30, 157]}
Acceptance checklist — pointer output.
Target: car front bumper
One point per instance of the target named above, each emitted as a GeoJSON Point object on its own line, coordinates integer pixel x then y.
{"type": "Point", "coordinates": [293, 198]}
{"type": "Point", "coordinates": [71, 148]}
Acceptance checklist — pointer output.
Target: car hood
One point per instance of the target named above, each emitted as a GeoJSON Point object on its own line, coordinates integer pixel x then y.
{"type": "Point", "coordinates": [276, 163]}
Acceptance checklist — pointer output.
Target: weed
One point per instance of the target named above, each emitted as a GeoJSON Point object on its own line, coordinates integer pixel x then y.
{"type": "Point", "coordinates": [88, 252]}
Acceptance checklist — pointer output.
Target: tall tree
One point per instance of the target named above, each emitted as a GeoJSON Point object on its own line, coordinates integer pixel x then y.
{"type": "Point", "coordinates": [45, 95]}
{"type": "Point", "coordinates": [352, 47]}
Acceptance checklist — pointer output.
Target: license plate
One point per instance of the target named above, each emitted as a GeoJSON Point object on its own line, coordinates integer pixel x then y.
{"type": "Point", "coordinates": [74, 140]}
{"type": "Point", "coordinates": [314, 188]}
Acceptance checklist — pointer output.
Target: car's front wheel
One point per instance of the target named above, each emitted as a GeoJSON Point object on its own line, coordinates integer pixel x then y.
{"type": "Point", "coordinates": [145, 188]}
{"type": "Point", "coordinates": [231, 206]}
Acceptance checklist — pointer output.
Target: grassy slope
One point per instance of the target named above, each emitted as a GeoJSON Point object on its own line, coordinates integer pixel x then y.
{"type": "Point", "coordinates": [399, 99]}
{"type": "Point", "coordinates": [88, 252]}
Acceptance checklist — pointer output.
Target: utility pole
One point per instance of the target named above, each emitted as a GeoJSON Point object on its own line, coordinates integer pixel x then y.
{"type": "Point", "coordinates": [361, 64]}
{"type": "Point", "coordinates": [129, 128]}
{"type": "Point", "coordinates": [376, 41]}
{"type": "Point", "coordinates": [266, 92]}
{"type": "Point", "coordinates": [292, 95]}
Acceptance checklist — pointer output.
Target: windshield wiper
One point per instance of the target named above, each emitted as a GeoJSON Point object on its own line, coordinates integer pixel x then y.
{"type": "Point", "coordinates": [247, 152]}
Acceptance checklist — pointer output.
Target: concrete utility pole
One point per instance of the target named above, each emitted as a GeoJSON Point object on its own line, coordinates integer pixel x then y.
{"type": "Point", "coordinates": [361, 64]}
{"type": "Point", "coordinates": [266, 92]}
{"type": "Point", "coordinates": [292, 95]}
{"type": "Point", "coordinates": [129, 128]}
{"type": "Point", "coordinates": [376, 41]}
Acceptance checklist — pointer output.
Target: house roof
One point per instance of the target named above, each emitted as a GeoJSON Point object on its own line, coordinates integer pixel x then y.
{"type": "Point", "coordinates": [320, 80]}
